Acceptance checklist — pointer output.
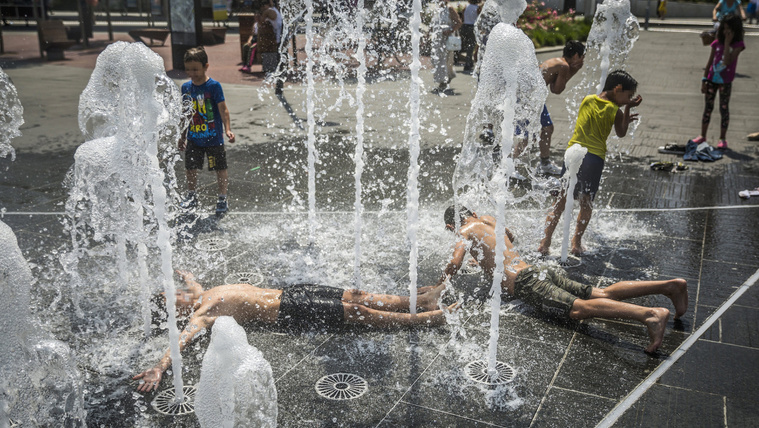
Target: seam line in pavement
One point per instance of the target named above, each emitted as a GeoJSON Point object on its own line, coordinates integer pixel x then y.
{"type": "Point", "coordinates": [613, 416]}
{"type": "Point", "coordinates": [605, 210]}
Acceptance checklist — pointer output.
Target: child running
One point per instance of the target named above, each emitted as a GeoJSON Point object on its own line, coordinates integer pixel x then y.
{"type": "Point", "coordinates": [205, 136]}
{"type": "Point", "coordinates": [719, 74]}
{"type": "Point", "coordinates": [597, 116]}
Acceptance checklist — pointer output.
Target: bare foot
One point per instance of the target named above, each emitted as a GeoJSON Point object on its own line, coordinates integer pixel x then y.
{"type": "Point", "coordinates": [679, 296]}
{"type": "Point", "coordinates": [656, 324]}
{"type": "Point", "coordinates": [429, 300]}
{"type": "Point", "coordinates": [545, 247]}
{"type": "Point", "coordinates": [577, 250]}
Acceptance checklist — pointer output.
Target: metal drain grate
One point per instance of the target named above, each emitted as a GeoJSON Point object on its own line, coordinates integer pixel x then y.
{"type": "Point", "coordinates": [571, 262]}
{"type": "Point", "coordinates": [166, 404]}
{"type": "Point", "coordinates": [478, 371]}
{"type": "Point", "coordinates": [252, 278]}
{"type": "Point", "coordinates": [212, 244]}
{"type": "Point", "coordinates": [341, 386]}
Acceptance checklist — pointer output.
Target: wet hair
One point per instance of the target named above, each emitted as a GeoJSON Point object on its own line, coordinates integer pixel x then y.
{"type": "Point", "coordinates": [450, 212]}
{"type": "Point", "coordinates": [573, 47]}
{"type": "Point", "coordinates": [196, 54]}
{"type": "Point", "coordinates": [735, 23]}
{"type": "Point", "coordinates": [620, 77]}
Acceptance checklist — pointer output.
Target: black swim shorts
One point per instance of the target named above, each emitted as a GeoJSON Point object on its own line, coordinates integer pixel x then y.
{"type": "Point", "coordinates": [194, 155]}
{"type": "Point", "coordinates": [310, 306]}
{"type": "Point", "coordinates": [548, 291]}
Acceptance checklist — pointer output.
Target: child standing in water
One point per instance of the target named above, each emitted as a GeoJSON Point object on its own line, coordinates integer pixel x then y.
{"type": "Point", "coordinates": [597, 116]}
{"type": "Point", "coordinates": [205, 137]}
{"type": "Point", "coordinates": [719, 75]}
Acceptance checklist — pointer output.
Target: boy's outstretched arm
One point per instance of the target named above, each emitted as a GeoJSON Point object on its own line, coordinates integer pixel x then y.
{"type": "Point", "coordinates": [623, 120]}
{"type": "Point", "coordinates": [454, 265]}
{"type": "Point", "coordinates": [152, 377]}
{"type": "Point", "coordinates": [224, 111]}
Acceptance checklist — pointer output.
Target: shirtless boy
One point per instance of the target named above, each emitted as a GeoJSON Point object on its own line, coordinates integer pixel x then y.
{"type": "Point", "coordinates": [556, 73]}
{"type": "Point", "coordinates": [555, 293]}
{"type": "Point", "coordinates": [302, 305]}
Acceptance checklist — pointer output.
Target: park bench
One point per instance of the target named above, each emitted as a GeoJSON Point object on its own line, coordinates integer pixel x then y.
{"type": "Point", "coordinates": [151, 34]}
{"type": "Point", "coordinates": [53, 38]}
{"type": "Point", "coordinates": [214, 35]}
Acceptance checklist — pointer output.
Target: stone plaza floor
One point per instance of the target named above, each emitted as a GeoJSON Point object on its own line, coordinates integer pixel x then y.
{"type": "Point", "coordinates": [648, 224]}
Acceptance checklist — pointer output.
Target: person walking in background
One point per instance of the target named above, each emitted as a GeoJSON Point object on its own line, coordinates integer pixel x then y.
{"type": "Point", "coordinates": [205, 136]}
{"type": "Point", "coordinates": [445, 23]}
{"type": "Point", "coordinates": [269, 38]}
{"type": "Point", "coordinates": [468, 41]}
{"type": "Point", "coordinates": [751, 11]}
{"type": "Point", "coordinates": [727, 7]}
{"type": "Point", "coordinates": [719, 74]}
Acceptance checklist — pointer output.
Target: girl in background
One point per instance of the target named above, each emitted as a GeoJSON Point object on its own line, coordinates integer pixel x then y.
{"type": "Point", "coordinates": [719, 75]}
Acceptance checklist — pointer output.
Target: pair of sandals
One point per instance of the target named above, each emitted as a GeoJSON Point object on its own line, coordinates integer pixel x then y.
{"type": "Point", "coordinates": [701, 152]}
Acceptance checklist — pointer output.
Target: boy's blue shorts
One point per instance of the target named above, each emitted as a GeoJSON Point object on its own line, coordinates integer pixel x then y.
{"type": "Point", "coordinates": [589, 175]}
{"type": "Point", "coordinates": [545, 120]}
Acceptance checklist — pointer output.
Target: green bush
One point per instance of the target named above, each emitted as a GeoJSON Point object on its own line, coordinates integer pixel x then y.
{"type": "Point", "coordinates": [548, 28]}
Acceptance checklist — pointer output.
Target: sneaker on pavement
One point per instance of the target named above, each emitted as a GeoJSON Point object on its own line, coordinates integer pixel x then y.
{"type": "Point", "coordinates": [548, 169]}
{"type": "Point", "coordinates": [517, 176]}
{"type": "Point", "coordinates": [722, 145]}
{"type": "Point", "coordinates": [221, 208]}
{"type": "Point", "coordinates": [698, 140]}
{"type": "Point", "coordinates": [190, 202]}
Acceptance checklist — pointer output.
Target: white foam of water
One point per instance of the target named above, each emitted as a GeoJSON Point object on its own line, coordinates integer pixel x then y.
{"type": "Point", "coordinates": [573, 160]}
{"type": "Point", "coordinates": [358, 156]}
{"type": "Point", "coordinates": [11, 115]}
{"type": "Point", "coordinates": [412, 194]}
{"type": "Point", "coordinates": [131, 114]}
{"type": "Point", "coordinates": [236, 385]}
{"type": "Point", "coordinates": [39, 381]}
{"type": "Point", "coordinates": [612, 36]}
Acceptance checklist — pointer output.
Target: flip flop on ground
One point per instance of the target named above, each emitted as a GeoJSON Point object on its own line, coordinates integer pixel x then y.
{"type": "Point", "coordinates": [745, 194]}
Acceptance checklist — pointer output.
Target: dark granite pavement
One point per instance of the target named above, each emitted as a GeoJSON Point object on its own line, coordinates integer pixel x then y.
{"type": "Point", "coordinates": [648, 224]}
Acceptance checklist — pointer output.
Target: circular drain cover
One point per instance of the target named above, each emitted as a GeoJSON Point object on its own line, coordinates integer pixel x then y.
{"type": "Point", "coordinates": [212, 244]}
{"type": "Point", "coordinates": [166, 404]}
{"type": "Point", "coordinates": [571, 262]}
{"type": "Point", "coordinates": [478, 372]}
{"type": "Point", "coordinates": [341, 386]}
{"type": "Point", "coordinates": [252, 278]}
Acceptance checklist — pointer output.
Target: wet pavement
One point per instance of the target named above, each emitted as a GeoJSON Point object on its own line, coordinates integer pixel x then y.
{"type": "Point", "coordinates": [648, 224]}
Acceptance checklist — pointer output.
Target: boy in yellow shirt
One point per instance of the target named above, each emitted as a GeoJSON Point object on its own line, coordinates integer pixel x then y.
{"type": "Point", "coordinates": [597, 115]}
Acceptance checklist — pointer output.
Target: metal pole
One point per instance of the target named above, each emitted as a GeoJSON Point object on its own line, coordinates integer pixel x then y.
{"type": "Point", "coordinates": [648, 14]}
{"type": "Point", "coordinates": [85, 42]}
{"type": "Point", "coordinates": [108, 16]}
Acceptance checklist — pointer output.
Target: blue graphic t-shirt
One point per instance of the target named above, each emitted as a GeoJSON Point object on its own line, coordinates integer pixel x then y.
{"type": "Point", "coordinates": [206, 128]}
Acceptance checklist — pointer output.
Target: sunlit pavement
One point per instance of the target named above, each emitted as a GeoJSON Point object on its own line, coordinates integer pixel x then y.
{"type": "Point", "coordinates": [648, 224]}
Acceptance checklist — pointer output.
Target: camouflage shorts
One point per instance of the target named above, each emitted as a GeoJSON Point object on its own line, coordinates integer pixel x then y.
{"type": "Point", "coordinates": [553, 294]}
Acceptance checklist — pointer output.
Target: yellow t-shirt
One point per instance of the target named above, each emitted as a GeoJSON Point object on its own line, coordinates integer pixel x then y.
{"type": "Point", "coordinates": [594, 122]}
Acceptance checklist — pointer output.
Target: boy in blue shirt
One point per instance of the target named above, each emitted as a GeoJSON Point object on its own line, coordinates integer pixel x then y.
{"type": "Point", "coordinates": [205, 136]}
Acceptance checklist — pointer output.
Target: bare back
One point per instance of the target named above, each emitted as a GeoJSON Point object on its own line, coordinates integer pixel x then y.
{"type": "Point", "coordinates": [244, 302]}
{"type": "Point", "coordinates": [481, 234]}
{"type": "Point", "coordinates": [556, 73]}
